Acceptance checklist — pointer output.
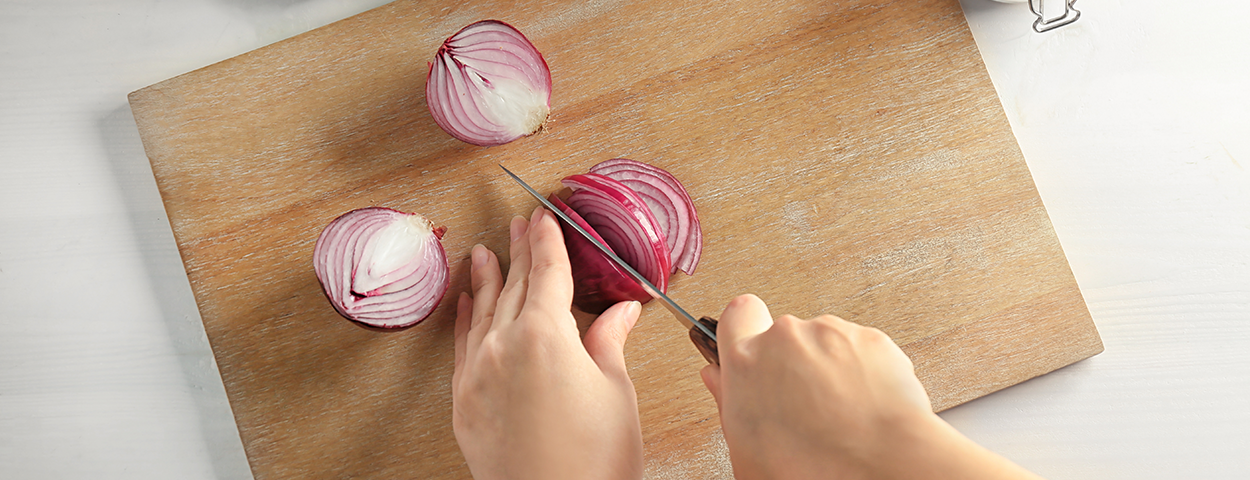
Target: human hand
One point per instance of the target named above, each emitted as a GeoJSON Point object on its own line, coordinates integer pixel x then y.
{"type": "Point", "coordinates": [826, 398]}
{"type": "Point", "coordinates": [530, 399]}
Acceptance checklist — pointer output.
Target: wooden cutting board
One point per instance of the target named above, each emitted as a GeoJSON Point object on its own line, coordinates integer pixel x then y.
{"type": "Point", "coordinates": [846, 157]}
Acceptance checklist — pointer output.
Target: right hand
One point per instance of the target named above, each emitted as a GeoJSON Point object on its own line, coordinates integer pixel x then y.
{"type": "Point", "coordinates": [826, 398]}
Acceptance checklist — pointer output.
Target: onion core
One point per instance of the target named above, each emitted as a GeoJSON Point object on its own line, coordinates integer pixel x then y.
{"type": "Point", "coordinates": [382, 267]}
{"type": "Point", "coordinates": [488, 85]}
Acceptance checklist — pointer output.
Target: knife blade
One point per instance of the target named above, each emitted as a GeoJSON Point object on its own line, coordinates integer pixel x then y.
{"type": "Point", "coordinates": [702, 331]}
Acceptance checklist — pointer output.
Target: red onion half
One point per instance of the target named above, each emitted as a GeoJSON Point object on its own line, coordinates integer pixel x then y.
{"type": "Point", "coordinates": [644, 215]}
{"type": "Point", "coordinates": [382, 267]}
{"type": "Point", "coordinates": [488, 85]}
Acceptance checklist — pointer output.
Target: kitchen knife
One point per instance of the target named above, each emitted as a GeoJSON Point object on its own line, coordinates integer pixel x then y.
{"type": "Point", "coordinates": [702, 331]}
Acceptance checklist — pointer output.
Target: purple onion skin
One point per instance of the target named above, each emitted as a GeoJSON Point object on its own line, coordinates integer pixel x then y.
{"type": "Point", "coordinates": [597, 282]}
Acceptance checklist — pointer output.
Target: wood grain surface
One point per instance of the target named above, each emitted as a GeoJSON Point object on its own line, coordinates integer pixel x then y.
{"type": "Point", "coordinates": [845, 157]}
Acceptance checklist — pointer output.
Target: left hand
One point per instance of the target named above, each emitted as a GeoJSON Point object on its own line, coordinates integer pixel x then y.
{"type": "Point", "coordinates": [530, 399]}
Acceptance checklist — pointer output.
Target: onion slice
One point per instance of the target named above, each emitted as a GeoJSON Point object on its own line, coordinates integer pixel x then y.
{"type": "Point", "coordinates": [382, 267]}
{"type": "Point", "coordinates": [488, 85]}
{"type": "Point", "coordinates": [669, 203]}
{"type": "Point", "coordinates": [599, 282]}
{"type": "Point", "coordinates": [624, 222]}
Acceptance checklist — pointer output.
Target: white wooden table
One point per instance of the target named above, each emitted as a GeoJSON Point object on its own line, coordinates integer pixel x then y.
{"type": "Point", "coordinates": [1135, 122]}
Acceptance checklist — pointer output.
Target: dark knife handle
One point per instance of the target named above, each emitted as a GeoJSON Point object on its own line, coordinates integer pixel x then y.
{"type": "Point", "coordinates": [704, 343]}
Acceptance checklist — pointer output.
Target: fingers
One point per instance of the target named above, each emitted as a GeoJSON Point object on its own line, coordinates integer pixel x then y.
{"type": "Point", "coordinates": [486, 281]}
{"type": "Point", "coordinates": [550, 276]}
{"type": "Point", "coordinates": [464, 316]}
{"type": "Point", "coordinates": [711, 380]}
{"type": "Point", "coordinates": [513, 294]}
{"type": "Point", "coordinates": [746, 316]}
{"type": "Point", "coordinates": [605, 339]}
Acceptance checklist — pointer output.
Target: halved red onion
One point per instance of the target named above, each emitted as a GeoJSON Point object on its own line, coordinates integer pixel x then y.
{"type": "Point", "coordinates": [488, 85]}
{"type": "Point", "coordinates": [382, 267]}
{"type": "Point", "coordinates": [599, 282]}
{"type": "Point", "coordinates": [669, 202]}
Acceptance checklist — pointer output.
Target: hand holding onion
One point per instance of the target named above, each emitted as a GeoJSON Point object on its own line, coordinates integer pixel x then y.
{"type": "Point", "coordinates": [530, 398]}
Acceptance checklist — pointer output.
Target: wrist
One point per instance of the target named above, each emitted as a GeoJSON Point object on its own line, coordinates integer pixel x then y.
{"type": "Point", "coordinates": [916, 445]}
{"type": "Point", "coordinates": [933, 449]}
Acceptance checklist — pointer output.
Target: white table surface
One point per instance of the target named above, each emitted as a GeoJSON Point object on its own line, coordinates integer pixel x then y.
{"type": "Point", "coordinates": [1135, 122]}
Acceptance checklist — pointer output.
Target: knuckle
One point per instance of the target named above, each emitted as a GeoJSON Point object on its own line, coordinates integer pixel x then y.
{"type": "Point", "coordinates": [481, 281]}
{"type": "Point", "coordinates": [786, 323]}
{"type": "Point", "coordinates": [548, 267]}
{"type": "Point", "coordinates": [786, 328]}
{"type": "Point", "coordinates": [830, 319]}
{"type": "Point", "coordinates": [873, 336]}
{"type": "Point", "coordinates": [484, 318]}
{"type": "Point", "coordinates": [615, 335]}
{"type": "Point", "coordinates": [788, 319]}
{"type": "Point", "coordinates": [514, 287]}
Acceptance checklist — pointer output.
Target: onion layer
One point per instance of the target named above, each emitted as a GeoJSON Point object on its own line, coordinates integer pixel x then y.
{"type": "Point", "coordinates": [599, 282]}
{"type": "Point", "coordinates": [644, 216]}
{"type": "Point", "coordinates": [382, 267]}
{"type": "Point", "coordinates": [488, 85]}
{"type": "Point", "coordinates": [624, 222]}
{"type": "Point", "coordinates": [669, 202]}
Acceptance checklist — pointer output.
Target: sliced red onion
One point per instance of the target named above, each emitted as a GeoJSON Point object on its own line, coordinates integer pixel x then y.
{"type": "Point", "coordinates": [599, 282]}
{"type": "Point", "coordinates": [382, 267]}
{"type": "Point", "coordinates": [669, 202]}
{"type": "Point", "coordinates": [488, 85]}
{"type": "Point", "coordinates": [624, 222]}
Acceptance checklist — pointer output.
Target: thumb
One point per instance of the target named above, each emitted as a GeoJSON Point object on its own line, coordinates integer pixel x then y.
{"type": "Point", "coordinates": [605, 339]}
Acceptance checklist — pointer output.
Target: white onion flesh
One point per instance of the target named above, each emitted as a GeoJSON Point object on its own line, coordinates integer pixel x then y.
{"type": "Point", "coordinates": [488, 85]}
{"type": "Point", "coordinates": [382, 267]}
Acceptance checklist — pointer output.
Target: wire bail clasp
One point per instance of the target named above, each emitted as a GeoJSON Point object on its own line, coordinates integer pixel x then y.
{"type": "Point", "coordinates": [1043, 24]}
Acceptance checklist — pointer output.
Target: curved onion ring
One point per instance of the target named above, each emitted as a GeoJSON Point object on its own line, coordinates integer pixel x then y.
{"type": "Point", "coordinates": [382, 267]}
{"type": "Point", "coordinates": [669, 202]}
{"type": "Point", "coordinates": [600, 283]}
{"type": "Point", "coordinates": [488, 85]}
{"type": "Point", "coordinates": [624, 222]}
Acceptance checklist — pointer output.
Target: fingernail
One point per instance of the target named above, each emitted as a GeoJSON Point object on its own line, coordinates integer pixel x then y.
{"type": "Point", "coordinates": [517, 228]}
{"type": "Point", "coordinates": [538, 214]}
{"type": "Point", "coordinates": [480, 255]}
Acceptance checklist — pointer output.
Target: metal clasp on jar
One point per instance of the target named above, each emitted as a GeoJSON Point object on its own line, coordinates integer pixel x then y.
{"type": "Point", "coordinates": [1048, 20]}
{"type": "Point", "coordinates": [1051, 14]}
